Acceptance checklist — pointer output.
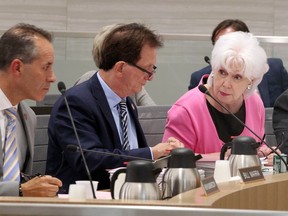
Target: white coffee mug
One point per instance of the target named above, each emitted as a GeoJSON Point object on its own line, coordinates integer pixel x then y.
{"type": "Point", "coordinates": [77, 192]}
{"type": "Point", "coordinates": [87, 184]}
{"type": "Point", "coordinates": [222, 171]}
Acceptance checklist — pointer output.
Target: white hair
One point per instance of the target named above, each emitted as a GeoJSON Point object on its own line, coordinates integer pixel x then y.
{"type": "Point", "coordinates": [240, 52]}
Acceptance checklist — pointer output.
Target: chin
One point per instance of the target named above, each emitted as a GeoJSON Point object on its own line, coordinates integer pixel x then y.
{"type": "Point", "coordinates": [39, 97]}
{"type": "Point", "coordinates": [135, 91]}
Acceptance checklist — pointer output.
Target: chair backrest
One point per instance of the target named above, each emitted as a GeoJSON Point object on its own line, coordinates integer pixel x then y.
{"type": "Point", "coordinates": [41, 144]}
{"type": "Point", "coordinates": [153, 120]}
{"type": "Point", "coordinates": [48, 100]}
{"type": "Point", "coordinates": [269, 131]}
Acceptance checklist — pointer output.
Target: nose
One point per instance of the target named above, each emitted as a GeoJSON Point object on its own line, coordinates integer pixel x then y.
{"type": "Point", "coordinates": [52, 78]}
{"type": "Point", "coordinates": [227, 82]}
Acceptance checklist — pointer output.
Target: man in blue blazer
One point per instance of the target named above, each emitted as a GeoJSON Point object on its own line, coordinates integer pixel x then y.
{"type": "Point", "coordinates": [274, 82]}
{"type": "Point", "coordinates": [127, 62]}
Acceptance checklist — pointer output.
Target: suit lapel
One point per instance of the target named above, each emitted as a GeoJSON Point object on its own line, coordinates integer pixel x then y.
{"type": "Point", "coordinates": [134, 113]}
{"type": "Point", "coordinates": [26, 122]}
{"type": "Point", "coordinates": [99, 95]}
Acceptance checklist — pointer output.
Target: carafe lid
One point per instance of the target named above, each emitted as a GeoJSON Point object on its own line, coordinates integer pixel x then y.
{"type": "Point", "coordinates": [183, 158]}
{"type": "Point", "coordinates": [244, 145]}
{"type": "Point", "coordinates": [140, 171]}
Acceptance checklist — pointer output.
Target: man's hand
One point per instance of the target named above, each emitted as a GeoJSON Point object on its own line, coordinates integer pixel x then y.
{"type": "Point", "coordinates": [44, 186]}
{"type": "Point", "coordinates": [163, 149]}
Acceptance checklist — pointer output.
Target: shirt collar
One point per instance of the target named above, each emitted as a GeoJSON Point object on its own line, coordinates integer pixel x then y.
{"type": "Point", "coordinates": [112, 98]}
{"type": "Point", "coordinates": [4, 102]}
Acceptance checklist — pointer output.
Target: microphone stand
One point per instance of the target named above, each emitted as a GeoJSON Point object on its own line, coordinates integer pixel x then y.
{"type": "Point", "coordinates": [204, 90]}
{"type": "Point", "coordinates": [62, 89]}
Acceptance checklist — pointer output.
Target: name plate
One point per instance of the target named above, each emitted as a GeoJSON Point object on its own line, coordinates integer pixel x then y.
{"type": "Point", "coordinates": [250, 174]}
{"type": "Point", "coordinates": [209, 185]}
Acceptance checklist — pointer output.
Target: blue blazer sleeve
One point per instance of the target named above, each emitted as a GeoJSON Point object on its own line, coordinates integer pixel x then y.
{"type": "Point", "coordinates": [197, 75]}
{"type": "Point", "coordinates": [274, 82]}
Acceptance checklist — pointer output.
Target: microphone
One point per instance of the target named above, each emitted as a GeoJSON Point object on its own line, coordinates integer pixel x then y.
{"type": "Point", "coordinates": [61, 87]}
{"type": "Point", "coordinates": [75, 148]}
{"type": "Point", "coordinates": [62, 90]}
{"type": "Point", "coordinates": [158, 164]}
{"type": "Point", "coordinates": [207, 59]}
{"type": "Point", "coordinates": [204, 90]}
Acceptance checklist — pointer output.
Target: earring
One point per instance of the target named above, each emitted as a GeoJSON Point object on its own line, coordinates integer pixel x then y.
{"type": "Point", "coordinates": [249, 87]}
{"type": "Point", "coordinates": [212, 75]}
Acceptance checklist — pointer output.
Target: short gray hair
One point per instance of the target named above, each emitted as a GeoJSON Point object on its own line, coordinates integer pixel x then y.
{"type": "Point", "coordinates": [19, 42]}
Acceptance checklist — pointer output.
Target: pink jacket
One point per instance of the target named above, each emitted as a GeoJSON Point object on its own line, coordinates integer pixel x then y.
{"type": "Point", "coordinates": [189, 121]}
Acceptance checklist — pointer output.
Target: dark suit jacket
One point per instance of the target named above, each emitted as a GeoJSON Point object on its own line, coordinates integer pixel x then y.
{"type": "Point", "coordinates": [96, 129]}
{"type": "Point", "coordinates": [280, 121]}
{"type": "Point", "coordinates": [274, 82]}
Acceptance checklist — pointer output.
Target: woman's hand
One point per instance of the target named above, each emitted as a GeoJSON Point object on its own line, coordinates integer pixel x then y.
{"type": "Point", "coordinates": [163, 149]}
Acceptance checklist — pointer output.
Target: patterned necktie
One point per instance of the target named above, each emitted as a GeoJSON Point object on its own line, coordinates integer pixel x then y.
{"type": "Point", "coordinates": [11, 165]}
{"type": "Point", "coordinates": [124, 124]}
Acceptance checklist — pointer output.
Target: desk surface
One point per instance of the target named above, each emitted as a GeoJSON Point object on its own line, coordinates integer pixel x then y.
{"type": "Point", "coordinates": [270, 194]}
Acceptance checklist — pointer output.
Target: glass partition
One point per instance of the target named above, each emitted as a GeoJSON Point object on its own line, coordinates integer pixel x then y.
{"type": "Point", "coordinates": [181, 55]}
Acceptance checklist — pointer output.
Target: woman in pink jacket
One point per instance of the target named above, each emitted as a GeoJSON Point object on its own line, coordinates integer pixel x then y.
{"type": "Point", "coordinates": [238, 65]}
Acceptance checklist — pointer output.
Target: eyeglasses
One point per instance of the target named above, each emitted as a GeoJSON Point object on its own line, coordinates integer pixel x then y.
{"type": "Point", "coordinates": [150, 74]}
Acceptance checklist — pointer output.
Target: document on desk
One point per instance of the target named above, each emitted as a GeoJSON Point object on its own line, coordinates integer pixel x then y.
{"type": "Point", "coordinates": [207, 164]}
{"type": "Point", "coordinates": [161, 162]}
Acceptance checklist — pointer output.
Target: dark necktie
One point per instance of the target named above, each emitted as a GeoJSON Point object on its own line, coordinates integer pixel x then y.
{"type": "Point", "coordinates": [11, 170]}
{"type": "Point", "coordinates": [124, 124]}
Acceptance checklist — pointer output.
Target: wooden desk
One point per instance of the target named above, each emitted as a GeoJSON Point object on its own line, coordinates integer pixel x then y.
{"type": "Point", "coordinates": [270, 194]}
{"type": "Point", "coordinates": [250, 199]}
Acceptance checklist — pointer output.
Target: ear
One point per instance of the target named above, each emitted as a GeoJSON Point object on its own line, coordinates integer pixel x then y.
{"type": "Point", "coordinates": [16, 66]}
{"type": "Point", "coordinates": [119, 67]}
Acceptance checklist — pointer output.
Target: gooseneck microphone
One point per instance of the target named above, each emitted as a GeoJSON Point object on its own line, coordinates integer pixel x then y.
{"type": "Point", "coordinates": [204, 90]}
{"type": "Point", "coordinates": [75, 148]}
{"type": "Point", "coordinates": [62, 90]}
{"type": "Point", "coordinates": [158, 164]}
{"type": "Point", "coordinates": [207, 59]}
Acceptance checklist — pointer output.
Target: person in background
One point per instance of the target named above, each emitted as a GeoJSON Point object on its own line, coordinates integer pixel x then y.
{"type": "Point", "coordinates": [274, 82]}
{"type": "Point", "coordinates": [104, 114]}
{"type": "Point", "coordinates": [141, 98]}
{"type": "Point", "coordinates": [280, 122]}
{"type": "Point", "coordinates": [238, 65]}
{"type": "Point", "coordinates": [26, 61]}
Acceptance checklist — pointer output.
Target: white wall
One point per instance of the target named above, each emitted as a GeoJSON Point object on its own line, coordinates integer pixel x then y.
{"type": "Point", "coordinates": [176, 60]}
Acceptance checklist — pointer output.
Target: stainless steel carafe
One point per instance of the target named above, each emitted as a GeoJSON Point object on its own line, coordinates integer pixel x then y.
{"type": "Point", "coordinates": [243, 153]}
{"type": "Point", "coordinates": [140, 182]}
{"type": "Point", "coordinates": [181, 174]}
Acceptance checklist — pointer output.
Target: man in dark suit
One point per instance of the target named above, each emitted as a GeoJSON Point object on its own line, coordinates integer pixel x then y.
{"type": "Point", "coordinates": [128, 57]}
{"type": "Point", "coordinates": [274, 82]}
{"type": "Point", "coordinates": [26, 60]}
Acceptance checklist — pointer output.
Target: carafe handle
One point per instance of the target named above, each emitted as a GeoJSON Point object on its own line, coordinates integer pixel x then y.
{"type": "Point", "coordinates": [114, 178]}
{"type": "Point", "coordinates": [224, 150]}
